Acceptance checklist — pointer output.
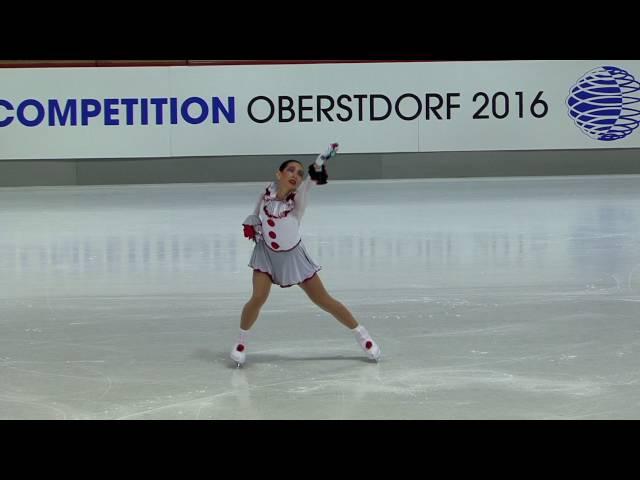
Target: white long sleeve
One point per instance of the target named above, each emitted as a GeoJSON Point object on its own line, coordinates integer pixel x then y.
{"type": "Point", "coordinates": [256, 210]}
{"type": "Point", "coordinates": [253, 218]}
{"type": "Point", "coordinates": [302, 197]}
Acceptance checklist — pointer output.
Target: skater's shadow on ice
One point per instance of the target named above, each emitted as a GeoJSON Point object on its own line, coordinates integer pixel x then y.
{"type": "Point", "coordinates": [270, 357]}
{"type": "Point", "coordinates": [215, 357]}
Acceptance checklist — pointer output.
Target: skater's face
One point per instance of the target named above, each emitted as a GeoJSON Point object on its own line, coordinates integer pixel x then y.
{"type": "Point", "coordinates": [291, 175]}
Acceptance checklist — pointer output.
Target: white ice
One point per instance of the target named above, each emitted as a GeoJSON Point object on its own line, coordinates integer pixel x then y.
{"type": "Point", "coordinates": [491, 298]}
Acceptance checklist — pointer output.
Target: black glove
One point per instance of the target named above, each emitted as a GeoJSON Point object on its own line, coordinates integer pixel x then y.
{"type": "Point", "coordinates": [320, 177]}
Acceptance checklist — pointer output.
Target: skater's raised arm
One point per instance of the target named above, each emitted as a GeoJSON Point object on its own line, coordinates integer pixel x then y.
{"type": "Point", "coordinates": [317, 175]}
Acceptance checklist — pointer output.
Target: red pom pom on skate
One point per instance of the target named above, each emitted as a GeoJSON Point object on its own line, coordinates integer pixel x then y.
{"type": "Point", "coordinates": [240, 347]}
{"type": "Point", "coordinates": [369, 344]}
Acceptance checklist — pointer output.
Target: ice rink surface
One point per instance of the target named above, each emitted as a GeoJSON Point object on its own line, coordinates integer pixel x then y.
{"type": "Point", "coordinates": [494, 298]}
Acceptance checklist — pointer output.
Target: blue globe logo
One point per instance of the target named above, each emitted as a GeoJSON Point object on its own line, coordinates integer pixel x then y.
{"type": "Point", "coordinates": [605, 103]}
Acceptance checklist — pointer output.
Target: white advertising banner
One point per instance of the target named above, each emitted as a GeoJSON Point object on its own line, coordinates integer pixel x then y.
{"type": "Point", "coordinates": [63, 113]}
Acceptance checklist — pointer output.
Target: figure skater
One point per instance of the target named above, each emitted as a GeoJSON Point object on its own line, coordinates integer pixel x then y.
{"type": "Point", "coordinates": [279, 256]}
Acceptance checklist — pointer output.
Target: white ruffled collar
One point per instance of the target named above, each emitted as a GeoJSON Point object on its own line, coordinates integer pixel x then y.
{"type": "Point", "coordinates": [274, 207]}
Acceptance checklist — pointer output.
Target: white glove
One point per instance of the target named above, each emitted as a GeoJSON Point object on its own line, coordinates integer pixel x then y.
{"type": "Point", "coordinates": [331, 151]}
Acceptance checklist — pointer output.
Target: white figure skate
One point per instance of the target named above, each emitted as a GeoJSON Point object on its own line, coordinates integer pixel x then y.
{"type": "Point", "coordinates": [238, 354]}
{"type": "Point", "coordinates": [370, 347]}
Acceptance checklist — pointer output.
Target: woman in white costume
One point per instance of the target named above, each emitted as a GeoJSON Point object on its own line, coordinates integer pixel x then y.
{"type": "Point", "coordinates": [279, 256]}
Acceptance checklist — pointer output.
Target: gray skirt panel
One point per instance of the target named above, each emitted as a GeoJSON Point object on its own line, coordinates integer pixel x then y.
{"type": "Point", "coordinates": [285, 268]}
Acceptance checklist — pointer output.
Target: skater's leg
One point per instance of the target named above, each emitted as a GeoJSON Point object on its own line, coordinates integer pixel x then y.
{"type": "Point", "coordinates": [318, 295]}
{"type": "Point", "coordinates": [261, 289]}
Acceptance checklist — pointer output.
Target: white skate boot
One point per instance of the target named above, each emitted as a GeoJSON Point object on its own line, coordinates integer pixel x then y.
{"type": "Point", "coordinates": [238, 354]}
{"type": "Point", "coordinates": [370, 347]}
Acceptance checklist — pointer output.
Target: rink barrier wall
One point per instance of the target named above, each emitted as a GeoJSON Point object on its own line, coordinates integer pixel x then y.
{"type": "Point", "coordinates": [344, 167]}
